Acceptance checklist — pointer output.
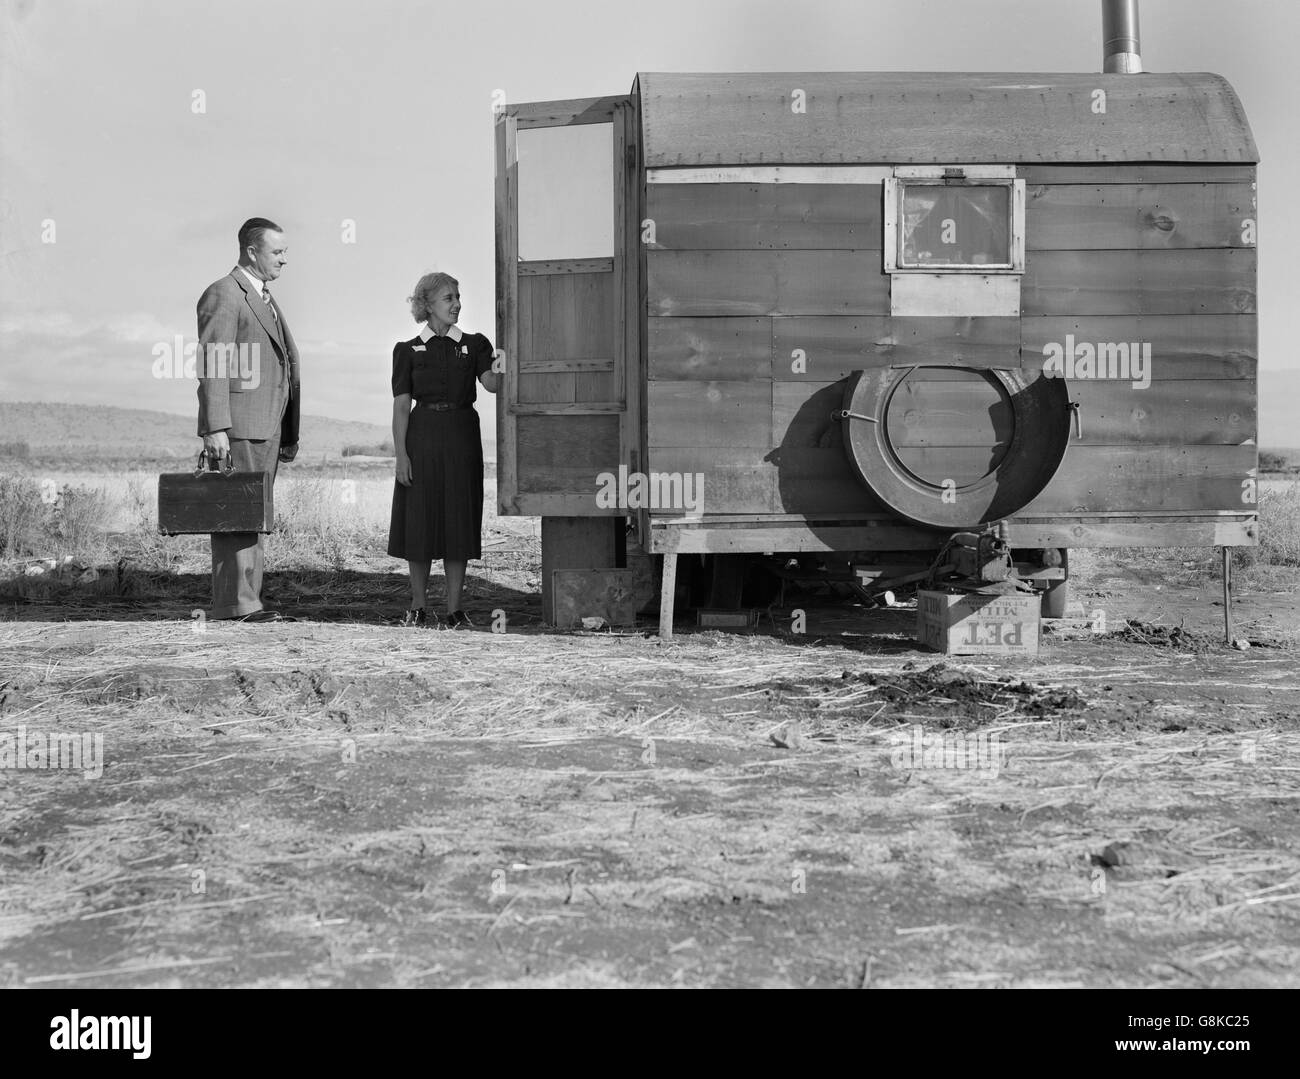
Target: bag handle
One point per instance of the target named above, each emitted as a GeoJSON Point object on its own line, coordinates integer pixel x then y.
{"type": "Point", "coordinates": [202, 469]}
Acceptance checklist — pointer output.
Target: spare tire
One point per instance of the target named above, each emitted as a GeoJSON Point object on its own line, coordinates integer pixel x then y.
{"type": "Point", "coordinates": [953, 447]}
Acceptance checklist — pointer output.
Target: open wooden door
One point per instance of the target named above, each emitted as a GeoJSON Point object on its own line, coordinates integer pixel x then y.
{"type": "Point", "coordinates": [566, 263]}
{"type": "Point", "coordinates": [562, 260]}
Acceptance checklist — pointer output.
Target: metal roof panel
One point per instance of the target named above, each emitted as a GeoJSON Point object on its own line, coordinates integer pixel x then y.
{"type": "Point", "coordinates": [827, 118]}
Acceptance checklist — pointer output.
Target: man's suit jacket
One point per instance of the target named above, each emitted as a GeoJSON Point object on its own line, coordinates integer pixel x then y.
{"type": "Point", "coordinates": [235, 319]}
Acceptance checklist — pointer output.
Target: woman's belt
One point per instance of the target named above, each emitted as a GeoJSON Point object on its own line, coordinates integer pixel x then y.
{"type": "Point", "coordinates": [442, 406]}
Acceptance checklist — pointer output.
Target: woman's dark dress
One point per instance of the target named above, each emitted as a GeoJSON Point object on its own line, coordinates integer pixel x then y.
{"type": "Point", "coordinates": [441, 514]}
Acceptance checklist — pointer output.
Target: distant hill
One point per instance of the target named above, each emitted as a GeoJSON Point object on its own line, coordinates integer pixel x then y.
{"type": "Point", "coordinates": [68, 430]}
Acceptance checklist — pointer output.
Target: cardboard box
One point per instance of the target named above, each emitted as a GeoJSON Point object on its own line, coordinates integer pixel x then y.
{"type": "Point", "coordinates": [979, 623]}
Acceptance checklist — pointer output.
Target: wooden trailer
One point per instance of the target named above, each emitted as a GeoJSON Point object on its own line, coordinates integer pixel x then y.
{"type": "Point", "coordinates": [867, 310]}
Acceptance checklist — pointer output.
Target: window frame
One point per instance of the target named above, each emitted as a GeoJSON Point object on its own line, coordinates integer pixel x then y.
{"type": "Point", "coordinates": [953, 176]}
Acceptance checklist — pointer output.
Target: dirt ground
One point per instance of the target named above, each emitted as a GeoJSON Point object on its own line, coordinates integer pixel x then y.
{"type": "Point", "coordinates": [340, 802]}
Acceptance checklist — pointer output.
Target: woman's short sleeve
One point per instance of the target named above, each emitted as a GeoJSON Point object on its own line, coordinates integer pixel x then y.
{"type": "Point", "coordinates": [482, 355]}
{"type": "Point", "coordinates": [401, 369]}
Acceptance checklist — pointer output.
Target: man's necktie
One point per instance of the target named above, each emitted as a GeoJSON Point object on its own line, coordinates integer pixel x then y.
{"type": "Point", "coordinates": [266, 299]}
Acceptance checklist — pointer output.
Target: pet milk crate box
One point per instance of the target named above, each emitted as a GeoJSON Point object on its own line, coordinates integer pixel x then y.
{"type": "Point", "coordinates": [979, 623]}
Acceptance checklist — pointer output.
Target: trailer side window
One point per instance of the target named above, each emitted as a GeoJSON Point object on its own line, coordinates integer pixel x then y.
{"type": "Point", "coordinates": [954, 224]}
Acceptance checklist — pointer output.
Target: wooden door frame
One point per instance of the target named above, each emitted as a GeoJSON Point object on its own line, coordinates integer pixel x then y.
{"type": "Point", "coordinates": [618, 111]}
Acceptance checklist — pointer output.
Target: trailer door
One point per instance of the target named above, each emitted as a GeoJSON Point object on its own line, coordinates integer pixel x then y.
{"type": "Point", "coordinates": [565, 263]}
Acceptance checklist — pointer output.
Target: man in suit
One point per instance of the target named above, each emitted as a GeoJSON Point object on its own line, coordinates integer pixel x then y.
{"type": "Point", "coordinates": [248, 403]}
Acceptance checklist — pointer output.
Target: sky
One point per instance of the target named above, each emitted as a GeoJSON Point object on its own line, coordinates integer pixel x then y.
{"type": "Point", "coordinates": [146, 131]}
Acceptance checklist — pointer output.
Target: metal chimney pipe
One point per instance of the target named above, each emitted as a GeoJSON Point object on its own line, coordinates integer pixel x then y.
{"type": "Point", "coordinates": [1121, 42]}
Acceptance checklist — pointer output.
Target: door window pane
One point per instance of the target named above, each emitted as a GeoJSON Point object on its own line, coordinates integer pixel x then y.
{"type": "Point", "coordinates": [566, 192]}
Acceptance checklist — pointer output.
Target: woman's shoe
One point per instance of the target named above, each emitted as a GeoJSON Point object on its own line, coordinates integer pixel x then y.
{"type": "Point", "coordinates": [416, 618]}
{"type": "Point", "coordinates": [458, 620]}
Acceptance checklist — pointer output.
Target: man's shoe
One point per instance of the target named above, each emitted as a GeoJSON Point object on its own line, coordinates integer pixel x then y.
{"type": "Point", "coordinates": [459, 620]}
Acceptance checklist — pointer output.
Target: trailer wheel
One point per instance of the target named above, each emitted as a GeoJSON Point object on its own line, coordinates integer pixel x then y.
{"type": "Point", "coordinates": [1057, 593]}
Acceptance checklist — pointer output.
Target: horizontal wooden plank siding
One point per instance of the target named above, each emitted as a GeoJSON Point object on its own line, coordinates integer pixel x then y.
{"type": "Point", "coordinates": [801, 414]}
{"type": "Point", "coordinates": [1182, 346]}
{"type": "Point", "coordinates": [735, 480]}
{"type": "Point", "coordinates": [1170, 412]}
{"type": "Point", "coordinates": [761, 299]}
{"type": "Point", "coordinates": [764, 216]}
{"type": "Point", "coordinates": [766, 283]}
{"type": "Point", "coordinates": [819, 480]}
{"type": "Point", "coordinates": [1137, 217]}
{"type": "Point", "coordinates": [823, 348]}
{"type": "Point", "coordinates": [1139, 282]}
{"type": "Point", "coordinates": [834, 347]}
{"type": "Point", "coordinates": [709, 414]}
{"type": "Point", "coordinates": [1115, 478]}
{"type": "Point", "coordinates": [709, 348]}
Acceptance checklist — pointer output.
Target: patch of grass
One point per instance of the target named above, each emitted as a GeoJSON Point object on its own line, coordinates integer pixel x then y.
{"type": "Point", "coordinates": [1279, 530]}
{"type": "Point", "coordinates": [319, 525]}
{"type": "Point", "coordinates": [1271, 566]}
{"type": "Point", "coordinates": [50, 522]}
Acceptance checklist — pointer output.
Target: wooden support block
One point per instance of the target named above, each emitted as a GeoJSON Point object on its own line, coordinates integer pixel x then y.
{"type": "Point", "coordinates": [577, 543]}
{"type": "Point", "coordinates": [666, 595]}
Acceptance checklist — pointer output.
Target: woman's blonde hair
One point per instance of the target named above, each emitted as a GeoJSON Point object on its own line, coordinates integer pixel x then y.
{"type": "Point", "coordinates": [425, 289]}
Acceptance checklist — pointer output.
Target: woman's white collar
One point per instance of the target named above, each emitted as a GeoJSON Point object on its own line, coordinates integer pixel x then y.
{"type": "Point", "coordinates": [452, 331]}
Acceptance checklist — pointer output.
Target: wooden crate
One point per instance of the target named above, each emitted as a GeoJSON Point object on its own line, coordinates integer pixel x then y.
{"type": "Point", "coordinates": [614, 595]}
{"type": "Point", "coordinates": [978, 623]}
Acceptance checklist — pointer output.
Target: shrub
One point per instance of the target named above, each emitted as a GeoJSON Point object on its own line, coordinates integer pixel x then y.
{"type": "Point", "coordinates": [33, 526]}
{"type": "Point", "coordinates": [17, 450]}
{"type": "Point", "coordinates": [22, 517]}
{"type": "Point", "coordinates": [315, 526]}
{"type": "Point", "coordinates": [1279, 526]}
{"type": "Point", "coordinates": [1273, 462]}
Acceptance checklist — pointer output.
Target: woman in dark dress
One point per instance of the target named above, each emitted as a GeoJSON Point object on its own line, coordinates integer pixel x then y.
{"type": "Point", "coordinates": [438, 497]}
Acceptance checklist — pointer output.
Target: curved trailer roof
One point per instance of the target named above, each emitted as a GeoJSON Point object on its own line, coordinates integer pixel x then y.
{"type": "Point", "coordinates": [888, 118]}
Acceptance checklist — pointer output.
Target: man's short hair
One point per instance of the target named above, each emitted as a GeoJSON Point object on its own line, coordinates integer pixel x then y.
{"type": "Point", "coordinates": [252, 230]}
